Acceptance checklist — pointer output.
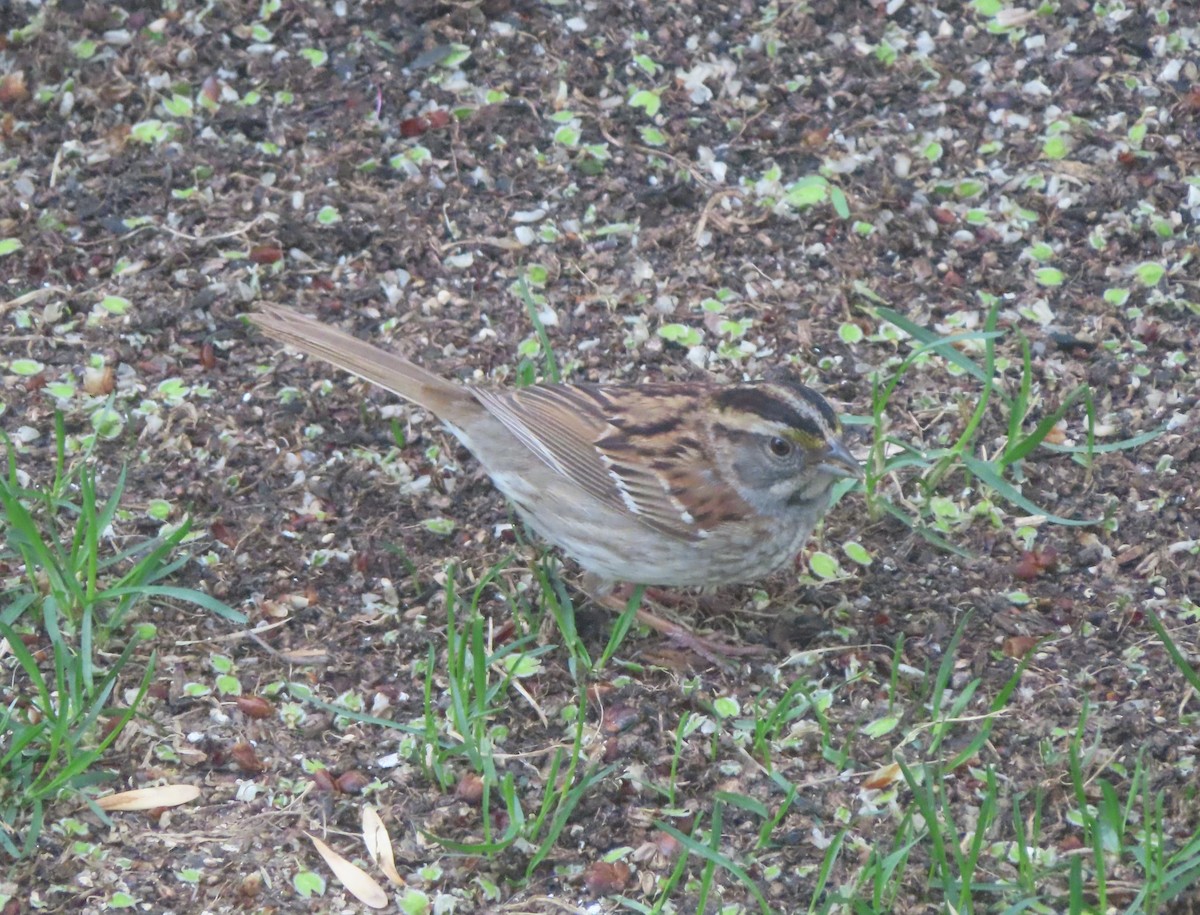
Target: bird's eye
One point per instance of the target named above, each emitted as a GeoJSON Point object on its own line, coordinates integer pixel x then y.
{"type": "Point", "coordinates": [780, 447]}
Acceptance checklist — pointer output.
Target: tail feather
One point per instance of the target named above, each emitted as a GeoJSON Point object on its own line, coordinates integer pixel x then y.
{"type": "Point", "coordinates": [378, 366]}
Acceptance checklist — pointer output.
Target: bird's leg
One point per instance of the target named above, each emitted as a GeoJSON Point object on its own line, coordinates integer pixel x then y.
{"type": "Point", "coordinates": [712, 649]}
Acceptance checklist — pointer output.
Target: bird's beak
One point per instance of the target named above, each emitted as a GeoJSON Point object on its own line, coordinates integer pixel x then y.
{"type": "Point", "coordinates": [837, 461]}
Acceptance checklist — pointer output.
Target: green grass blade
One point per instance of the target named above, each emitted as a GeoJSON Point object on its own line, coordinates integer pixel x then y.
{"type": "Point", "coordinates": [944, 345]}
{"type": "Point", "coordinates": [25, 538]}
{"type": "Point", "coordinates": [622, 626]}
{"type": "Point", "coordinates": [570, 801]}
{"type": "Point", "coordinates": [707, 854]}
{"type": "Point", "coordinates": [1177, 657]}
{"type": "Point", "coordinates": [968, 752]}
{"type": "Point", "coordinates": [33, 831]}
{"type": "Point", "coordinates": [185, 595]}
{"type": "Point", "coordinates": [1024, 446]}
{"type": "Point", "coordinates": [15, 604]}
{"type": "Point", "coordinates": [924, 531]}
{"type": "Point", "coordinates": [828, 860]}
{"type": "Point", "coordinates": [1124, 444]}
{"type": "Point", "coordinates": [923, 797]}
{"type": "Point", "coordinates": [539, 328]}
{"type": "Point", "coordinates": [987, 474]}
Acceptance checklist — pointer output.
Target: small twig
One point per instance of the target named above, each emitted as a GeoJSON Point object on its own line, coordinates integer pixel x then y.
{"type": "Point", "coordinates": [32, 296]}
{"type": "Point", "coordinates": [207, 238]}
{"type": "Point", "coordinates": [506, 244]}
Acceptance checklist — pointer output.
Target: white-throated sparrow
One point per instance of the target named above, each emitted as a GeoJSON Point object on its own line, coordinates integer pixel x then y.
{"type": "Point", "coordinates": [679, 484]}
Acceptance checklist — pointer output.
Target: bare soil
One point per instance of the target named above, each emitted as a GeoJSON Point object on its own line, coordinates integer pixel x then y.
{"type": "Point", "coordinates": [310, 510]}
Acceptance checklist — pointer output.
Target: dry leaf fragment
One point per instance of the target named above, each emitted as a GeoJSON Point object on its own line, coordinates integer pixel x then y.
{"type": "Point", "coordinates": [667, 845]}
{"type": "Point", "coordinates": [362, 886]}
{"type": "Point", "coordinates": [413, 127]}
{"type": "Point", "coordinates": [255, 707]}
{"type": "Point", "coordinates": [1057, 435]}
{"type": "Point", "coordinates": [379, 844]}
{"type": "Point", "coordinates": [245, 758]}
{"type": "Point", "coordinates": [149, 798]}
{"type": "Point", "coordinates": [208, 355]}
{"type": "Point", "coordinates": [324, 781]}
{"type": "Point", "coordinates": [222, 534]}
{"type": "Point", "coordinates": [13, 88]}
{"type": "Point", "coordinates": [882, 777]}
{"type": "Point", "coordinates": [1034, 562]}
{"type": "Point", "coordinates": [1017, 646]}
{"type": "Point", "coordinates": [266, 254]}
{"type": "Point", "coordinates": [351, 782]}
{"type": "Point", "coordinates": [619, 717]}
{"type": "Point", "coordinates": [470, 788]}
{"type": "Point", "coordinates": [603, 878]}
{"type": "Point", "coordinates": [99, 381]}
{"type": "Point", "coordinates": [210, 90]}
{"type": "Point", "coordinates": [251, 885]}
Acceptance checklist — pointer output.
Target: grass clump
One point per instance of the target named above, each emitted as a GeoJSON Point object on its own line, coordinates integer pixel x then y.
{"type": "Point", "coordinates": [68, 636]}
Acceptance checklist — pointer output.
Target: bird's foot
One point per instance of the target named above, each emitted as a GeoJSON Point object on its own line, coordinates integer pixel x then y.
{"type": "Point", "coordinates": [711, 648]}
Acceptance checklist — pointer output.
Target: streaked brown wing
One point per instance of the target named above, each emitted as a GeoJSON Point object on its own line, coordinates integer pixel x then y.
{"type": "Point", "coordinates": [576, 430]}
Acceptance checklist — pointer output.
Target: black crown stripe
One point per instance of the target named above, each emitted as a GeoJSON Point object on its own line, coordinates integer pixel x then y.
{"type": "Point", "coordinates": [760, 402]}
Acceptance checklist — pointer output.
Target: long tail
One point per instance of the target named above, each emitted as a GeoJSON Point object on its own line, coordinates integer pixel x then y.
{"type": "Point", "coordinates": [378, 366]}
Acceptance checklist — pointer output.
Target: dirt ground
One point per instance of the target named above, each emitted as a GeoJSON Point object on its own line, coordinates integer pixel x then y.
{"type": "Point", "coordinates": [395, 168]}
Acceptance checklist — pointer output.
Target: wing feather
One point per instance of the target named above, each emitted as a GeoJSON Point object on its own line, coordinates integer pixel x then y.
{"type": "Point", "coordinates": [569, 428]}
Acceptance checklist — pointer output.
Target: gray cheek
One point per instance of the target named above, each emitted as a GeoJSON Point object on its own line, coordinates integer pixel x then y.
{"type": "Point", "coordinates": [749, 467]}
{"type": "Point", "coordinates": [791, 468]}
